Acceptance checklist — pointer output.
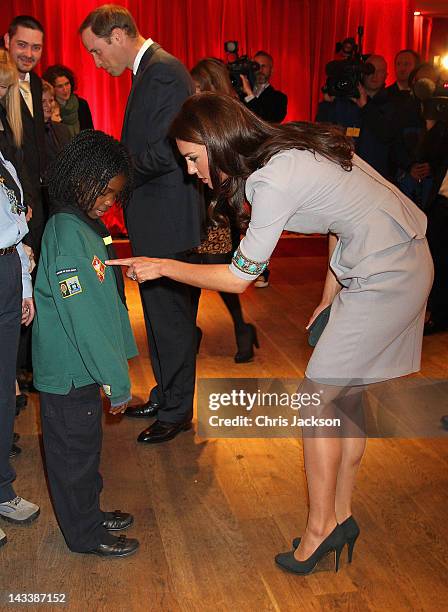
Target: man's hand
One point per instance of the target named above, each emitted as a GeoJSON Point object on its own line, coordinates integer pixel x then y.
{"type": "Point", "coordinates": [29, 214]}
{"type": "Point", "coordinates": [27, 311]}
{"type": "Point", "coordinates": [246, 85]}
{"type": "Point", "coordinates": [363, 97]}
{"type": "Point", "coordinates": [420, 171]}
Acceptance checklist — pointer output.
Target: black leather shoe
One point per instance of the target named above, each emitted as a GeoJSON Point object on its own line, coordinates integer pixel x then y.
{"type": "Point", "coordinates": [117, 520]}
{"type": "Point", "coordinates": [15, 450]}
{"type": "Point", "coordinates": [15, 438]}
{"type": "Point", "coordinates": [162, 432]}
{"type": "Point", "coordinates": [143, 411]}
{"type": "Point", "coordinates": [123, 547]}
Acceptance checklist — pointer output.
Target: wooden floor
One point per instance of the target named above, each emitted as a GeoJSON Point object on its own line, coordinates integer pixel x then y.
{"type": "Point", "coordinates": [211, 514]}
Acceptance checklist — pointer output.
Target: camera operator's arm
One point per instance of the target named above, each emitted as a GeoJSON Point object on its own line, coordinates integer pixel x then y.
{"type": "Point", "coordinates": [247, 89]}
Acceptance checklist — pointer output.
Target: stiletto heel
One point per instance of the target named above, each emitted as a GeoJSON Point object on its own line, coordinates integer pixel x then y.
{"type": "Point", "coordinates": [334, 542]}
{"type": "Point", "coordinates": [351, 532]}
{"type": "Point", "coordinates": [246, 339]}
{"type": "Point", "coordinates": [337, 555]}
{"type": "Point", "coordinates": [350, 547]}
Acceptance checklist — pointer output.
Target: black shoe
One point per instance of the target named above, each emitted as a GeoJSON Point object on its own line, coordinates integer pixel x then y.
{"type": "Point", "coordinates": [333, 543]}
{"type": "Point", "coordinates": [246, 339]}
{"type": "Point", "coordinates": [444, 421]}
{"type": "Point", "coordinates": [143, 411]}
{"type": "Point", "coordinates": [160, 431]}
{"type": "Point", "coordinates": [123, 547]}
{"type": "Point", "coordinates": [15, 438]}
{"type": "Point", "coordinates": [15, 450]}
{"type": "Point", "coordinates": [351, 532]}
{"type": "Point", "coordinates": [263, 280]}
{"type": "Point", "coordinates": [432, 326]}
{"type": "Point", "coordinates": [117, 520]}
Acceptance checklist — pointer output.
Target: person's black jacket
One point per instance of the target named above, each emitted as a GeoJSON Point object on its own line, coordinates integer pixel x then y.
{"type": "Point", "coordinates": [271, 105]}
{"type": "Point", "coordinates": [84, 115]}
{"type": "Point", "coordinates": [376, 122]}
{"type": "Point", "coordinates": [163, 216]}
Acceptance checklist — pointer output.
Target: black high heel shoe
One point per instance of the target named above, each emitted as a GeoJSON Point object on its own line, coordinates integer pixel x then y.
{"type": "Point", "coordinates": [351, 532]}
{"type": "Point", "coordinates": [333, 543]}
{"type": "Point", "coordinates": [246, 339]}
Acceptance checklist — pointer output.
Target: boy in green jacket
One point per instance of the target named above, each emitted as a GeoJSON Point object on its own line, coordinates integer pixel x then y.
{"type": "Point", "coordinates": [82, 338]}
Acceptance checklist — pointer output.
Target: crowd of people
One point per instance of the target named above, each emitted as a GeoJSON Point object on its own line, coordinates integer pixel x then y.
{"type": "Point", "coordinates": [193, 155]}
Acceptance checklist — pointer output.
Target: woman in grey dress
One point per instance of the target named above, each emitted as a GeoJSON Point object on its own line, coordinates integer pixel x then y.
{"type": "Point", "coordinates": [305, 178]}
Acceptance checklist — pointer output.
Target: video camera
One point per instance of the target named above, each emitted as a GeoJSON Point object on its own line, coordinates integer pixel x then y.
{"type": "Point", "coordinates": [344, 75]}
{"type": "Point", "coordinates": [434, 97]}
{"type": "Point", "coordinates": [241, 65]}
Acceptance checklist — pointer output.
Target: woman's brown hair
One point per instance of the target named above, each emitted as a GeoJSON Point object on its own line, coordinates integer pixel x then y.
{"type": "Point", "coordinates": [211, 74]}
{"type": "Point", "coordinates": [238, 142]}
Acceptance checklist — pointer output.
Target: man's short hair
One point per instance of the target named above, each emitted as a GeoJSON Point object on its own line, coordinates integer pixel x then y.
{"type": "Point", "coordinates": [103, 20]}
{"type": "Point", "coordinates": [24, 21]}
{"type": "Point", "coordinates": [415, 55]}
{"type": "Point", "coordinates": [266, 54]}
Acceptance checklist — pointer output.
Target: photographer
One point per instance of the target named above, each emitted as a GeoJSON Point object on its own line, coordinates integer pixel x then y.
{"type": "Point", "coordinates": [263, 100]}
{"type": "Point", "coordinates": [417, 152]}
{"type": "Point", "coordinates": [369, 119]}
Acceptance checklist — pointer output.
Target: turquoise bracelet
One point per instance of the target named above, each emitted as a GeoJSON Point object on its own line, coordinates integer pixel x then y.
{"type": "Point", "coordinates": [248, 265]}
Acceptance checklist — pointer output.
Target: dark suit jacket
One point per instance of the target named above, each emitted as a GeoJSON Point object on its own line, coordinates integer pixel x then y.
{"type": "Point", "coordinates": [271, 105]}
{"type": "Point", "coordinates": [34, 155]}
{"type": "Point", "coordinates": [84, 115]}
{"type": "Point", "coordinates": [163, 216]}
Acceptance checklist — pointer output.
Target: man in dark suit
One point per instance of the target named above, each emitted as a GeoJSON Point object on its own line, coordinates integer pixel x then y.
{"type": "Point", "coordinates": [265, 101]}
{"type": "Point", "coordinates": [24, 42]}
{"type": "Point", "coordinates": [163, 217]}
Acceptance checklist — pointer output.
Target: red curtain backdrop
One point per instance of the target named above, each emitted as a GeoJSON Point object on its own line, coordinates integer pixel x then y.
{"type": "Point", "coordinates": [422, 35]}
{"type": "Point", "coordinates": [300, 34]}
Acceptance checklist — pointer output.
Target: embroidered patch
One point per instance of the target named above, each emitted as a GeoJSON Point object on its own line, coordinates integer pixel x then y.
{"type": "Point", "coordinates": [66, 271]}
{"type": "Point", "coordinates": [99, 268]}
{"type": "Point", "coordinates": [106, 389]}
{"type": "Point", "coordinates": [107, 240]}
{"type": "Point", "coordinates": [70, 286]}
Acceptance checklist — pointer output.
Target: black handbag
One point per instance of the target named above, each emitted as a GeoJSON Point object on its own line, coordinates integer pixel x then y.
{"type": "Point", "coordinates": [318, 325]}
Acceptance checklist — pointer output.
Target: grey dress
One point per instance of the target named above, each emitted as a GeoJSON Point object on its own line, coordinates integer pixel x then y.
{"type": "Point", "coordinates": [381, 260]}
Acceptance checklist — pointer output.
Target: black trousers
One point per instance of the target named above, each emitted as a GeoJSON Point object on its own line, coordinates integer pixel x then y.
{"type": "Point", "coordinates": [72, 435]}
{"type": "Point", "coordinates": [10, 315]}
{"type": "Point", "coordinates": [438, 245]}
{"type": "Point", "coordinates": [170, 310]}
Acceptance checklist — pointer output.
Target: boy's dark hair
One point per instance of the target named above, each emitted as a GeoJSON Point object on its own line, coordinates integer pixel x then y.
{"type": "Point", "coordinates": [26, 21]}
{"type": "Point", "coordinates": [83, 169]}
{"type": "Point", "coordinates": [58, 70]}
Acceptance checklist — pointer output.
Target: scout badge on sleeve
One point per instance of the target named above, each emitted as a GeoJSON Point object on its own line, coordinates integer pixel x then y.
{"type": "Point", "coordinates": [99, 268]}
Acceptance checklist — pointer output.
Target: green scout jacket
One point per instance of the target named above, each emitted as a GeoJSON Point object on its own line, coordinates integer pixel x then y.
{"type": "Point", "coordinates": [81, 333]}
